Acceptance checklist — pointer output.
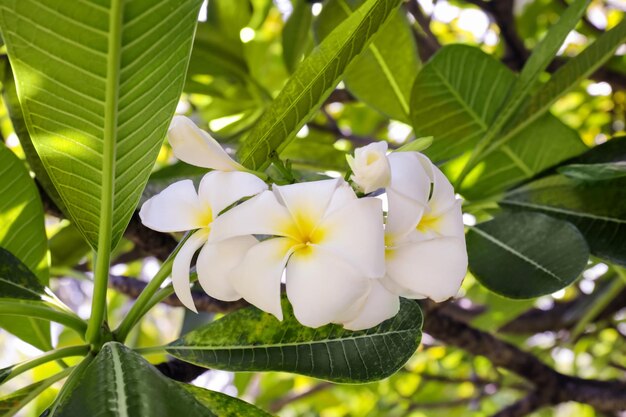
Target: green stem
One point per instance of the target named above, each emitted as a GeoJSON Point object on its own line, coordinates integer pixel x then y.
{"type": "Point", "coordinates": [615, 287]}
{"type": "Point", "coordinates": [18, 308]}
{"type": "Point", "coordinates": [138, 310]}
{"type": "Point", "coordinates": [38, 388]}
{"type": "Point", "coordinates": [163, 294]}
{"type": "Point", "coordinates": [45, 358]}
{"type": "Point", "coordinates": [103, 258]}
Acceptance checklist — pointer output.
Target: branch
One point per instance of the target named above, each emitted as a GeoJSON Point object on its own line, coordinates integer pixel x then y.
{"type": "Point", "coordinates": [427, 42]}
{"type": "Point", "coordinates": [554, 387]}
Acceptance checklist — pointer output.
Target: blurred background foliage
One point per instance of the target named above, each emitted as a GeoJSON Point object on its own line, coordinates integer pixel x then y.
{"type": "Point", "coordinates": [243, 54]}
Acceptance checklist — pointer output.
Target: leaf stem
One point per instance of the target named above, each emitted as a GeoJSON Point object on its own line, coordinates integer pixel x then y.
{"type": "Point", "coordinates": [142, 305]}
{"type": "Point", "coordinates": [18, 308]}
{"type": "Point", "coordinates": [38, 388]}
{"type": "Point", "coordinates": [103, 258]}
{"type": "Point", "coordinates": [45, 358]}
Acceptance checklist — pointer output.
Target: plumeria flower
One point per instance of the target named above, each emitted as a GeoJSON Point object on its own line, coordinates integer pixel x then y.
{"type": "Point", "coordinates": [196, 147]}
{"type": "Point", "coordinates": [425, 252]}
{"type": "Point", "coordinates": [370, 167]}
{"type": "Point", "coordinates": [328, 243]}
{"type": "Point", "coordinates": [180, 208]}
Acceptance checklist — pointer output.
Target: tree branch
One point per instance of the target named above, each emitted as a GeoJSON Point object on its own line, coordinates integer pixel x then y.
{"type": "Point", "coordinates": [532, 402]}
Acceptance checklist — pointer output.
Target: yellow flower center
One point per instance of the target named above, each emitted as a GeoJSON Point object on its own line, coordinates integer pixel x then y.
{"type": "Point", "coordinates": [429, 222]}
{"type": "Point", "coordinates": [206, 217]}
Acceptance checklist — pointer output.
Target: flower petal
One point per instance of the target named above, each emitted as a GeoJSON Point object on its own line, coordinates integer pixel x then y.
{"type": "Point", "coordinates": [434, 268]}
{"type": "Point", "coordinates": [443, 193]}
{"type": "Point", "coordinates": [322, 287]}
{"type": "Point", "coordinates": [261, 215]}
{"type": "Point", "coordinates": [379, 306]}
{"type": "Point", "coordinates": [355, 233]}
{"type": "Point", "coordinates": [221, 189]}
{"type": "Point", "coordinates": [215, 263]}
{"type": "Point", "coordinates": [196, 147]}
{"type": "Point", "coordinates": [258, 276]}
{"type": "Point", "coordinates": [181, 265]}
{"type": "Point", "coordinates": [445, 224]}
{"type": "Point", "coordinates": [342, 196]}
{"type": "Point", "coordinates": [410, 175]}
{"type": "Point", "coordinates": [307, 202]}
{"type": "Point", "coordinates": [175, 209]}
{"type": "Point", "coordinates": [402, 218]}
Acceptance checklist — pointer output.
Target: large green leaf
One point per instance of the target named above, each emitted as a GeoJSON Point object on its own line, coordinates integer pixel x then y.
{"type": "Point", "coordinates": [456, 98]}
{"type": "Point", "coordinates": [525, 255]}
{"type": "Point", "coordinates": [595, 172]}
{"type": "Point", "coordinates": [596, 208]}
{"type": "Point", "coordinates": [296, 36]}
{"type": "Point", "coordinates": [24, 243]}
{"type": "Point", "coordinates": [383, 75]}
{"type": "Point", "coordinates": [563, 80]}
{"type": "Point", "coordinates": [11, 101]}
{"type": "Point", "coordinates": [251, 340]}
{"type": "Point", "coordinates": [223, 405]}
{"type": "Point", "coordinates": [98, 82]}
{"type": "Point", "coordinates": [312, 82]}
{"type": "Point", "coordinates": [16, 280]}
{"type": "Point", "coordinates": [120, 383]}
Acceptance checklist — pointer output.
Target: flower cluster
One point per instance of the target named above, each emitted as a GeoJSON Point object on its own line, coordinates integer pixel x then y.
{"type": "Point", "coordinates": [341, 259]}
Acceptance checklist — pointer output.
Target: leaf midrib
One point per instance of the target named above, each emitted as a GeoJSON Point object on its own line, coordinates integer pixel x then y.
{"type": "Point", "coordinates": [292, 344]}
{"type": "Point", "coordinates": [515, 252]}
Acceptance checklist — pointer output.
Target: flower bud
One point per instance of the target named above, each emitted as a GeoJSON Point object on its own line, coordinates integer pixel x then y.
{"type": "Point", "coordinates": [370, 167]}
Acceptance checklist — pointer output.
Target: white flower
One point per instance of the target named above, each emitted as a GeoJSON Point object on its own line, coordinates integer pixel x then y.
{"type": "Point", "coordinates": [196, 147]}
{"type": "Point", "coordinates": [425, 243]}
{"type": "Point", "coordinates": [329, 242]}
{"type": "Point", "coordinates": [370, 167]}
{"type": "Point", "coordinates": [180, 208]}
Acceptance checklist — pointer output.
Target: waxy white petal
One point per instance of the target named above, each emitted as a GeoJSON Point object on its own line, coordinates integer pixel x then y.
{"type": "Point", "coordinates": [257, 278]}
{"type": "Point", "coordinates": [181, 265]}
{"type": "Point", "coordinates": [175, 209]}
{"type": "Point", "coordinates": [442, 224]}
{"type": "Point", "coordinates": [443, 193]}
{"type": "Point", "coordinates": [215, 263]}
{"type": "Point", "coordinates": [307, 202]}
{"type": "Point", "coordinates": [196, 147]}
{"type": "Point", "coordinates": [261, 215]}
{"type": "Point", "coordinates": [434, 268]}
{"type": "Point", "coordinates": [221, 189]}
{"type": "Point", "coordinates": [410, 176]}
{"type": "Point", "coordinates": [379, 306]}
{"type": "Point", "coordinates": [355, 233]}
{"type": "Point", "coordinates": [403, 216]}
{"type": "Point", "coordinates": [322, 287]}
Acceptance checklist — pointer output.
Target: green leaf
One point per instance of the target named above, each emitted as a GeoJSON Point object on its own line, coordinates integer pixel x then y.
{"type": "Point", "coordinates": [564, 79]}
{"type": "Point", "coordinates": [251, 340]}
{"type": "Point", "coordinates": [23, 246]}
{"type": "Point", "coordinates": [22, 229]}
{"type": "Point", "coordinates": [296, 37]}
{"type": "Point", "coordinates": [16, 280]}
{"type": "Point", "coordinates": [11, 404]}
{"type": "Point", "coordinates": [525, 255]}
{"type": "Point", "coordinates": [120, 383]}
{"type": "Point", "coordinates": [98, 119]}
{"type": "Point", "coordinates": [223, 405]}
{"type": "Point", "coordinates": [11, 101]}
{"type": "Point", "coordinates": [67, 247]}
{"type": "Point", "coordinates": [416, 145]}
{"type": "Point", "coordinates": [312, 82]}
{"type": "Point", "coordinates": [594, 172]}
{"type": "Point", "coordinates": [382, 76]}
{"type": "Point", "coordinates": [596, 208]}
{"type": "Point", "coordinates": [457, 106]}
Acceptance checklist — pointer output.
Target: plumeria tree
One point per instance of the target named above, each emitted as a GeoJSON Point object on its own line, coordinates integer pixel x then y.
{"type": "Point", "coordinates": [309, 186]}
